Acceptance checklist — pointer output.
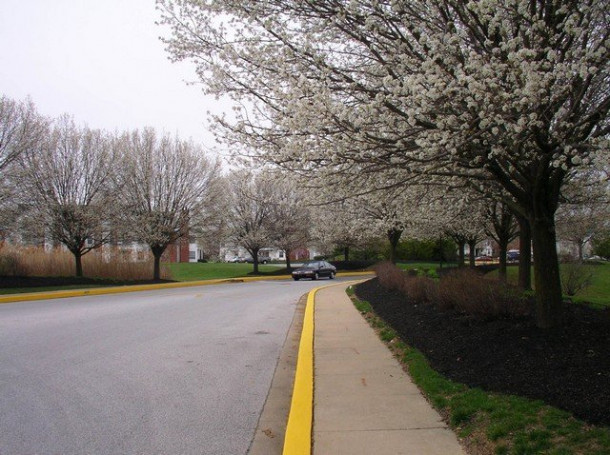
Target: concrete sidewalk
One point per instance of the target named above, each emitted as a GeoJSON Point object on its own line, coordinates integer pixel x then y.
{"type": "Point", "coordinates": [364, 403]}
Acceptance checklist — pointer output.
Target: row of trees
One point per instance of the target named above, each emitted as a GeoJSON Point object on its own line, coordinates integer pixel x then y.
{"type": "Point", "coordinates": [84, 188]}
{"type": "Point", "coordinates": [508, 99]}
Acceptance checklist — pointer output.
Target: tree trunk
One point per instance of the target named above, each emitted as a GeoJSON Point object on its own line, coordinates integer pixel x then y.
{"type": "Point", "coordinates": [525, 254]}
{"type": "Point", "coordinates": [346, 253]}
{"type": "Point", "coordinates": [472, 253]}
{"type": "Point", "coordinates": [157, 252]}
{"type": "Point", "coordinates": [461, 254]}
{"type": "Point", "coordinates": [78, 260]}
{"type": "Point", "coordinates": [394, 238]}
{"type": "Point", "coordinates": [549, 300]}
{"type": "Point", "coordinates": [502, 270]}
{"type": "Point", "coordinates": [254, 254]}
{"type": "Point", "coordinates": [288, 266]}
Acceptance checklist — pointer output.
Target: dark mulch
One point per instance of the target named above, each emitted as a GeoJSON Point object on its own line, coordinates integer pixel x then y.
{"type": "Point", "coordinates": [567, 367]}
{"type": "Point", "coordinates": [39, 282]}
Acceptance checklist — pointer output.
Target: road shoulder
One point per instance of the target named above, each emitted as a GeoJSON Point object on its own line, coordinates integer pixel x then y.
{"type": "Point", "coordinates": [269, 436]}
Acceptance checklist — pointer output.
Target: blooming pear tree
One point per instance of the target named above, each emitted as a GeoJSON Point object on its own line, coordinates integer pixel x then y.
{"type": "Point", "coordinates": [167, 185]}
{"type": "Point", "coordinates": [68, 180]}
{"type": "Point", "coordinates": [338, 226]}
{"type": "Point", "coordinates": [516, 92]}
{"type": "Point", "coordinates": [21, 130]}
{"type": "Point", "coordinates": [502, 226]}
{"type": "Point", "coordinates": [585, 211]}
{"type": "Point", "coordinates": [291, 222]}
{"type": "Point", "coordinates": [250, 210]}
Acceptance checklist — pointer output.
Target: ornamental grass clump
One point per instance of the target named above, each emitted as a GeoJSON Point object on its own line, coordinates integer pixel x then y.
{"type": "Point", "coordinates": [110, 264]}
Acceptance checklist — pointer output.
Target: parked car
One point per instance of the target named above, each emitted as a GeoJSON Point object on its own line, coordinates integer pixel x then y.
{"type": "Point", "coordinates": [512, 255]}
{"type": "Point", "coordinates": [235, 259]}
{"type": "Point", "coordinates": [262, 259]}
{"type": "Point", "coordinates": [484, 259]}
{"type": "Point", "coordinates": [314, 270]}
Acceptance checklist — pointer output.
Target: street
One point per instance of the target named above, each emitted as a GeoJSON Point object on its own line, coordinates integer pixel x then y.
{"type": "Point", "coordinates": [180, 371]}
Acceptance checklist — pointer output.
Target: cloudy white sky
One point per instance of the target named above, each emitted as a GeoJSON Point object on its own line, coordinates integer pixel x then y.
{"type": "Point", "coordinates": [100, 61]}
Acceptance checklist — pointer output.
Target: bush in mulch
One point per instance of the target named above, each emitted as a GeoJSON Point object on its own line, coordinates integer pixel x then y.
{"type": "Point", "coordinates": [484, 345]}
{"type": "Point", "coordinates": [464, 290]}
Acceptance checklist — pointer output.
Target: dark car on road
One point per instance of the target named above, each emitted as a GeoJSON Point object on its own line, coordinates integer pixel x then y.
{"type": "Point", "coordinates": [314, 270]}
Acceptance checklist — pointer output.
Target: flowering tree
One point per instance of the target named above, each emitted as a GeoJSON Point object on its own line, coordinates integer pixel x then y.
{"type": "Point", "coordinates": [290, 216]}
{"type": "Point", "coordinates": [166, 185]}
{"type": "Point", "coordinates": [337, 226]}
{"type": "Point", "coordinates": [21, 130]}
{"type": "Point", "coordinates": [251, 211]}
{"type": "Point", "coordinates": [391, 212]}
{"type": "Point", "coordinates": [502, 226]}
{"type": "Point", "coordinates": [585, 211]}
{"type": "Point", "coordinates": [511, 91]}
{"type": "Point", "coordinates": [68, 180]}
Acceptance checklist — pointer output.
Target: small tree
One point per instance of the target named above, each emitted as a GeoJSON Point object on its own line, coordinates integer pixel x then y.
{"type": "Point", "coordinates": [69, 182]}
{"type": "Point", "coordinates": [250, 211]}
{"type": "Point", "coordinates": [167, 185]}
{"type": "Point", "coordinates": [21, 130]}
{"type": "Point", "coordinates": [291, 219]}
{"type": "Point", "coordinates": [503, 228]}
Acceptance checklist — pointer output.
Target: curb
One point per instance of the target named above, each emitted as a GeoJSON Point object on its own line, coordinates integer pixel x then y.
{"type": "Point", "coordinates": [299, 429]}
{"type": "Point", "coordinates": [297, 440]}
{"type": "Point", "coordinates": [26, 297]}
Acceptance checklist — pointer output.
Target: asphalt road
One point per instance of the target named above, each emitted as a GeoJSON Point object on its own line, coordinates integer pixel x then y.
{"type": "Point", "coordinates": [181, 371]}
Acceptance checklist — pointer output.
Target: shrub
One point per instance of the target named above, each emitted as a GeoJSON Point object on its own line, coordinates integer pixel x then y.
{"type": "Point", "coordinates": [575, 276]}
{"type": "Point", "coordinates": [467, 291]}
{"type": "Point", "coordinates": [464, 290]}
{"type": "Point", "coordinates": [390, 276]}
{"type": "Point", "coordinates": [417, 288]}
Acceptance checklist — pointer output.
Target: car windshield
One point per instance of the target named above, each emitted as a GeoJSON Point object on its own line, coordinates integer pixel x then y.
{"type": "Point", "coordinates": [311, 265]}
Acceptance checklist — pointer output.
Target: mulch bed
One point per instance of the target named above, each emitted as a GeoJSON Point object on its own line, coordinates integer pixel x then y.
{"type": "Point", "coordinates": [567, 367]}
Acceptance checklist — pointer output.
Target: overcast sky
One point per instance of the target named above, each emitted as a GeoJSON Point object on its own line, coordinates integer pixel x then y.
{"type": "Point", "coordinates": [100, 61]}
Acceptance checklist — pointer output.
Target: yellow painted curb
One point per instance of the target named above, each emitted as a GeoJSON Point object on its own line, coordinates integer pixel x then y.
{"type": "Point", "coordinates": [297, 440]}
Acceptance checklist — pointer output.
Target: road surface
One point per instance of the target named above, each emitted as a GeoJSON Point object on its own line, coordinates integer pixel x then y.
{"type": "Point", "coordinates": [180, 371]}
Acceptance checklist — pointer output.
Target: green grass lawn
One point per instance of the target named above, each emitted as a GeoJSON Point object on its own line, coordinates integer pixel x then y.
{"type": "Point", "coordinates": [597, 293]}
{"type": "Point", "coordinates": [424, 268]}
{"type": "Point", "coordinates": [599, 290]}
{"type": "Point", "coordinates": [194, 271]}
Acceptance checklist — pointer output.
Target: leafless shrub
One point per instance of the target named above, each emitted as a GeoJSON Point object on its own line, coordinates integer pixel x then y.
{"type": "Point", "coordinates": [470, 292]}
{"type": "Point", "coordinates": [464, 290]}
{"type": "Point", "coordinates": [390, 276]}
{"type": "Point", "coordinates": [417, 288]}
{"type": "Point", "coordinates": [575, 276]}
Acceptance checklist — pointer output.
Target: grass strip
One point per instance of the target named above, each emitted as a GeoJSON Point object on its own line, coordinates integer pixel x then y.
{"type": "Point", "coordinates": [491, 423]}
